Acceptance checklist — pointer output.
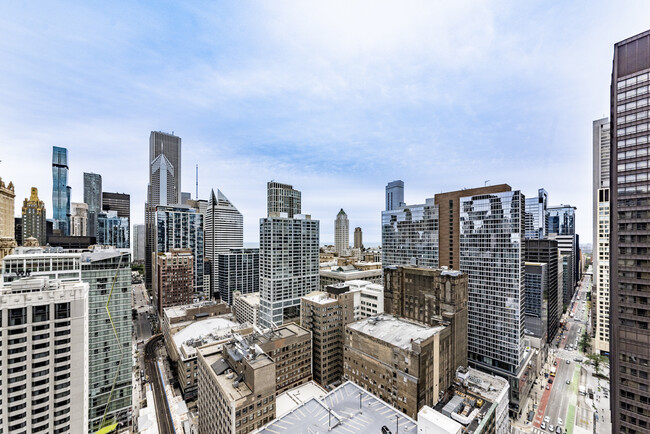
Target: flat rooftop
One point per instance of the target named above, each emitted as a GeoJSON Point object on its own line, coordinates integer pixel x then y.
{"type": "Point", "coordinates": [182, 311]}
{"type": "Point", "coordinates": [200, 333]}
{"type": "Point", "coordinates": [294, 398]}
{"type": "Point", "coordinates": [228, 381]}
{"type": "Point", "coordinates": [253, 298]}
{"type": "Point", "coordinates": [339, 412]}
{"type": "Point", "coordinates": [394, 331]}
{"type": "Point", "coordinates": [319, 297]}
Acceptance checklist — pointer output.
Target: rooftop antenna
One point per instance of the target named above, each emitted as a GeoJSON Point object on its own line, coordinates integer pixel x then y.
{"type": "Point", "coordinates": [485, 185]}
{"type": "Point", "coordinates": [197, 182]}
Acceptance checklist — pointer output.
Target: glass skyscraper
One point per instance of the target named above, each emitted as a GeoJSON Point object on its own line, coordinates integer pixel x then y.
{"type": "Point", "coordinates": [537, 216]}
{"type": "Point", "coordinates": [492, 255]}
{"type": "Point", "coordinates": [238, 270]}
{"type": "Point", "coordinates": [113, 230]}
{"type": "Point", "coordinates": [562, 220]}
{"type": "Point", "coordinates": [181, 227]}
{"type": "Point", "coordinates": [93, 198]}
{"type": "Point", "coordinates": [410, 235]}
{"type": "Point", "coordinates": [60, 190]}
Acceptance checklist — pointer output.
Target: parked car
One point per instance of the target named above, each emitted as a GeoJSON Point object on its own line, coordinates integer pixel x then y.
{"type": "Point", "coordinates": [568, 381]}
{"type": "Point", "coordinates": [558, 430]}
{"type": "Point", "coordinates": [568, 362]}
{"type": "Point", "coordinates": [559, 422]}
{"type": "Point", "coordinates": [547, 419]}
{"type": "Point", "coordinates": [551, 428]}
{"type": "Point", "coordinates": [543, 425]}
{"type": "Point", "coordinates": [548, 387]}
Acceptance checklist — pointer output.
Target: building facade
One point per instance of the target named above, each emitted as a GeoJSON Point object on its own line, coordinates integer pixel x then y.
{"type": "Point", "coordinates": [601, 231]}
{"type": "Point", "coordinates": [7, 203]}
{"type": "Point", "coordinates": [630, 218]}
{"type": "Point", "coordinates": [113, 230]}
{"type": "Point", "coordinates": [358, 238]}
{"type": "Point", "coordinates": [289, 263]}
{"type": "Point", "coordinates": [537, 216]}
{"type": "Point", "coordinates": [282, 198]}
{"type": "Point", "coordinates": [118, 202]}
{"type": "Point", "coordinates": [246, 307]}
{"type": "Point", "coordinates": [60, 190]}
{"type": "Point", "coordinates": [164, 188]}
{"type": "Point", "coordinates": [138, 242]}
{"type": "Point", "coordinates": [224, 230]}
{"type": "Point", "coordinates": [492, 255]}
{"type": "Point", "coordinates": [174, 278]}
{"type": "Point", "coordinates": [78, 219]}
{"type": "Point", "coordinates": [93, 198]}
{"type": "Point", "coordinates": [34, 219]}
{"type": "Point", "coordinates": [44, 356]}
{"type": "Point", "coordinates": [181, 227]}
{"type": "Point", "coordinates": [394, 195]}
{"type": "Point", "coordinates": [238, 270]}
{"type": "Point", "coordinates": [536, 306]}
{"type": "Point", "coordinates": [341, 233]}
{"type": "Point", "coordinates": [546, 252]}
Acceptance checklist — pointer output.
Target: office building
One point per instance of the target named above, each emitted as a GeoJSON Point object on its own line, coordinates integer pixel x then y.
{"type": "Point", "coordinates": [119, 202]}
{"type": "Point", "coordinates": [238, 270]}
{"type": "Point", "coordinates": [536, 305]}
{"type": "Point", "coordinates": [113, 230]}
{"type": "Point", "coordinates": [341, 233]}
{"type": "Point", "coordinates": [34, 219]}
{"type": "Point", "coordinates": [630, 217]}
{"type": "Point", "coordinates": [348, 409]}
{"type": "Point", "coordinates": [431, 297]}
{"type": "Point", "coordinates": [561, 226]}
{"type": "Point", "coordinates": [282, 198]}
{"type": "Point", "coordinates": [108, 274]}
{"type": "Point", "coordinates": [545, 251]}
{"type": "Point", "coordinates": [236, 388]}
{"type": "Point", "coordinates": [246, 307]}
{"type": "Point", "coordinates": [410, 235]}
{"type": "Point", "coordinates": [476, 403]}
{"type": "Point", "coordinates": [180, 227]}
{"type": "Point", "coordinates": [138, 242]}
{"type": "Point", "coordinates": [7, 222]}
{"type": "Point", "coordinates": [174, 278]}
{"type": "Point", "coordinates": [398, 361]}
{"type": "Point", "coordinates": [185, 328]}
{"type": "Point", "coordinates": [185, 197]}
{"type": "Point", "coordinates": [60, 190]}
{"type": "Point", "coordinates": [164, 188]}
{"type": "Point", "coordinates": [44, 356]}
{"type": "Point", "coordinates": [224, 230]}
{"type": "Point", "coordinates": [289, 263]}
{"type": "Point", "coordinates": [341, 274]}
{"type": "Point", "coordinates": [601, 231]}
{"type": "Point", "coordinates": [78, 219]}
{"type": "Point", "coordinates": [394, 195]}
{"type": "Point", "coordinates": [18, 229]}
{"type": "Point", "coordinates": [93, 198]}
{"type": "Point", "coordinates": [358, 238]}
{"type": "Point", "coordinates": [537, 216]}
{"type": "Point", "coordinates": [325, 315]}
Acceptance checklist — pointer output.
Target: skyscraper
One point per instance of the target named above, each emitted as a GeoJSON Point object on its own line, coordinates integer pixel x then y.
{"type": "Point", "coordinates": [34, 218]}
{"type": "Point", "coordinates": [7, 222]}
{"type": "Point", "coordinates": [630, 219]}
{"type": "Point", "coordinates": [289, 258]}
{"type": "Point", "coordinates": [394, 195]}
{"type": "Point", "coordinates": [181, 227]}
{"type": "Point", "coordinates": [119, 202]}
{"type": "Point", "coordinates": [492, 255]}
{"type": "Point", "coordinates": [537, 216]}
{"type": "Point", "coordinates": [113, 230]}
{"type": "Point", "coordinates": [561, 227]}
{"type": "Point", "coordinates": [238, 270]}
{"type": "Point", "coordinates": [224, 230]}
{"type": "Point", "coordinates": [138, 242]}
{"type": "Point", "coordinates": [341, 233]}
{"type": "Point", "coordinates": [601, 231]}
{"type": "Point", "coordinates": [78, 219]}
{"type": "Point", "coordinates": [164, 187]}
{"type": "Point", "coordinates": [282, 198]}
{"type": "Point", "coordinates": [536, 306]}
{"type": "Point", "coordinates": [546, 252]}
{"type": "Point", "coordinates": [358, 238]}
{"type": "Point", "coordinates": [93, 198]}
{"type": "Point", "coordinates": [60, 190]}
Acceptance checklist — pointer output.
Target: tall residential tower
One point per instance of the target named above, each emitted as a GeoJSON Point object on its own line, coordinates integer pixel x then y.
{"type": "Point", "coordinates": [60, 190]}
{"type": "Point", "coordinates": [341, 233]}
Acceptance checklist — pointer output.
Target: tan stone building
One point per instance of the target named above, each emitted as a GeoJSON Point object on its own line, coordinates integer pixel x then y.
{"type": "Point", "coordinates": [79, 220]}
{"type": "Point", "coordinates": [326, 314]}
{"type": "Point", "coordinates": [432, 297]}
{"type": "Point", "coordinates": [236, 388]}
{"type": "Point", "coordinates": [7, 200]}
{"type": "Point", "coordinates": [399, 361]}
{"type": "Point", "coordinates": [174, 284]}
{"type": "Point", "coordinates": [34, 219]}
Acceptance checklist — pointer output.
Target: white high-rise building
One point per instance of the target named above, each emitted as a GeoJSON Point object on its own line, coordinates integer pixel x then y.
{"type": "Point", "coordinates": [44, 355]}
{"type": "Point", "coordinates": [224, 230]}
{"type": "Point", "coordinates": [289, 265]}
{"type": "Point", "coordinates": [601, 234]}
{"type": "Point", "coordinates": [341, 233]}
{"type": "Point", "coordinates": [78, 219]}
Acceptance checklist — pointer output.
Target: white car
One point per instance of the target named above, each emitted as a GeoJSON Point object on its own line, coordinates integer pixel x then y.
{"type": "Point", "coordinates": [551, 428]}
{"type": "Point", "coordinates": [559, 421]}
{"type": "Point", "coordinates": [547, 419]}
{"type": "Point", "coordinates": [543, 425]}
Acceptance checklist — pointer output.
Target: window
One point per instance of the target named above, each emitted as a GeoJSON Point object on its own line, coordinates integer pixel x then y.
{"type": "Point", "coordinates": [40, 313]}
{"type": "Point", "coordinates": [17, 316]}
{"type": "Point", "coordinates": [62, 311]}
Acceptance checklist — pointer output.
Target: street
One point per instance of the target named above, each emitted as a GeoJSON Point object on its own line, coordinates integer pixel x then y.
{"type": "Point", "coordinates": [165, 424]}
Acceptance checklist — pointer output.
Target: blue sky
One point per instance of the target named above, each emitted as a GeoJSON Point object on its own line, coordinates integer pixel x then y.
{"type": "Point", "coordinates": [336, 98]}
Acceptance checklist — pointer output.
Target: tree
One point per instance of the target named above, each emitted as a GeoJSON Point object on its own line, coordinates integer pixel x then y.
{"type": "Point", "coordinates": [585, 342]}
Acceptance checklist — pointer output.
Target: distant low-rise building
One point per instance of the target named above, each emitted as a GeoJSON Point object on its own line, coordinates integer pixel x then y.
{"type": "Point", "coordinates": [247, 307]}
{"type": "Point", "coordinates": [340, 274]}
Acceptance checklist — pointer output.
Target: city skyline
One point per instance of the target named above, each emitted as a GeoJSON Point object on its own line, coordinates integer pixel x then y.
{"type": "Point", "coordinates": [425, 98]}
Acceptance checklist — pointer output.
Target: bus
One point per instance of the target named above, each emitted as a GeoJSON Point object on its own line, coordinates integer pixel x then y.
{"type": "Point", "coordinates": [553, 371]}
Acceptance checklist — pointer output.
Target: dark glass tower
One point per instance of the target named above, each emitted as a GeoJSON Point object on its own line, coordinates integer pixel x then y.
{"type": "Point", "coordinates": [629, 261]}
{"type": "Point", "coordinates": [60, 190]}
{"type": "Point", "coordinates": [93, 198]}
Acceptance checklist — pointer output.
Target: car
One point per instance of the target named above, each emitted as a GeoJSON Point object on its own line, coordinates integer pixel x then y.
{"type": "Point", "coordinates": [543, 425]}
{"type": "Point", "coordinates": [550, 381]}
{"type": "Point", "coordinates": [547, 419]}
{"type": "Point", "coordinates": [568, 381]}
{"type": "Point", "coordinates": [559, 422]}
{"type": "Point", "coordinates": [555, 363]}
{"type": "Point", "coordinates": [551, 428]}
{"type": "Point", "coordinates": [558, 430]}
{"type": "Point", "coordinates": [568, 362]}
{"type": "Point", "coordinates": [548, 387]}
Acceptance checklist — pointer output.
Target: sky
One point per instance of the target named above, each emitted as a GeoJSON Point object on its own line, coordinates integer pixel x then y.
{"type": "Point", "coordinates": [337, 98]}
